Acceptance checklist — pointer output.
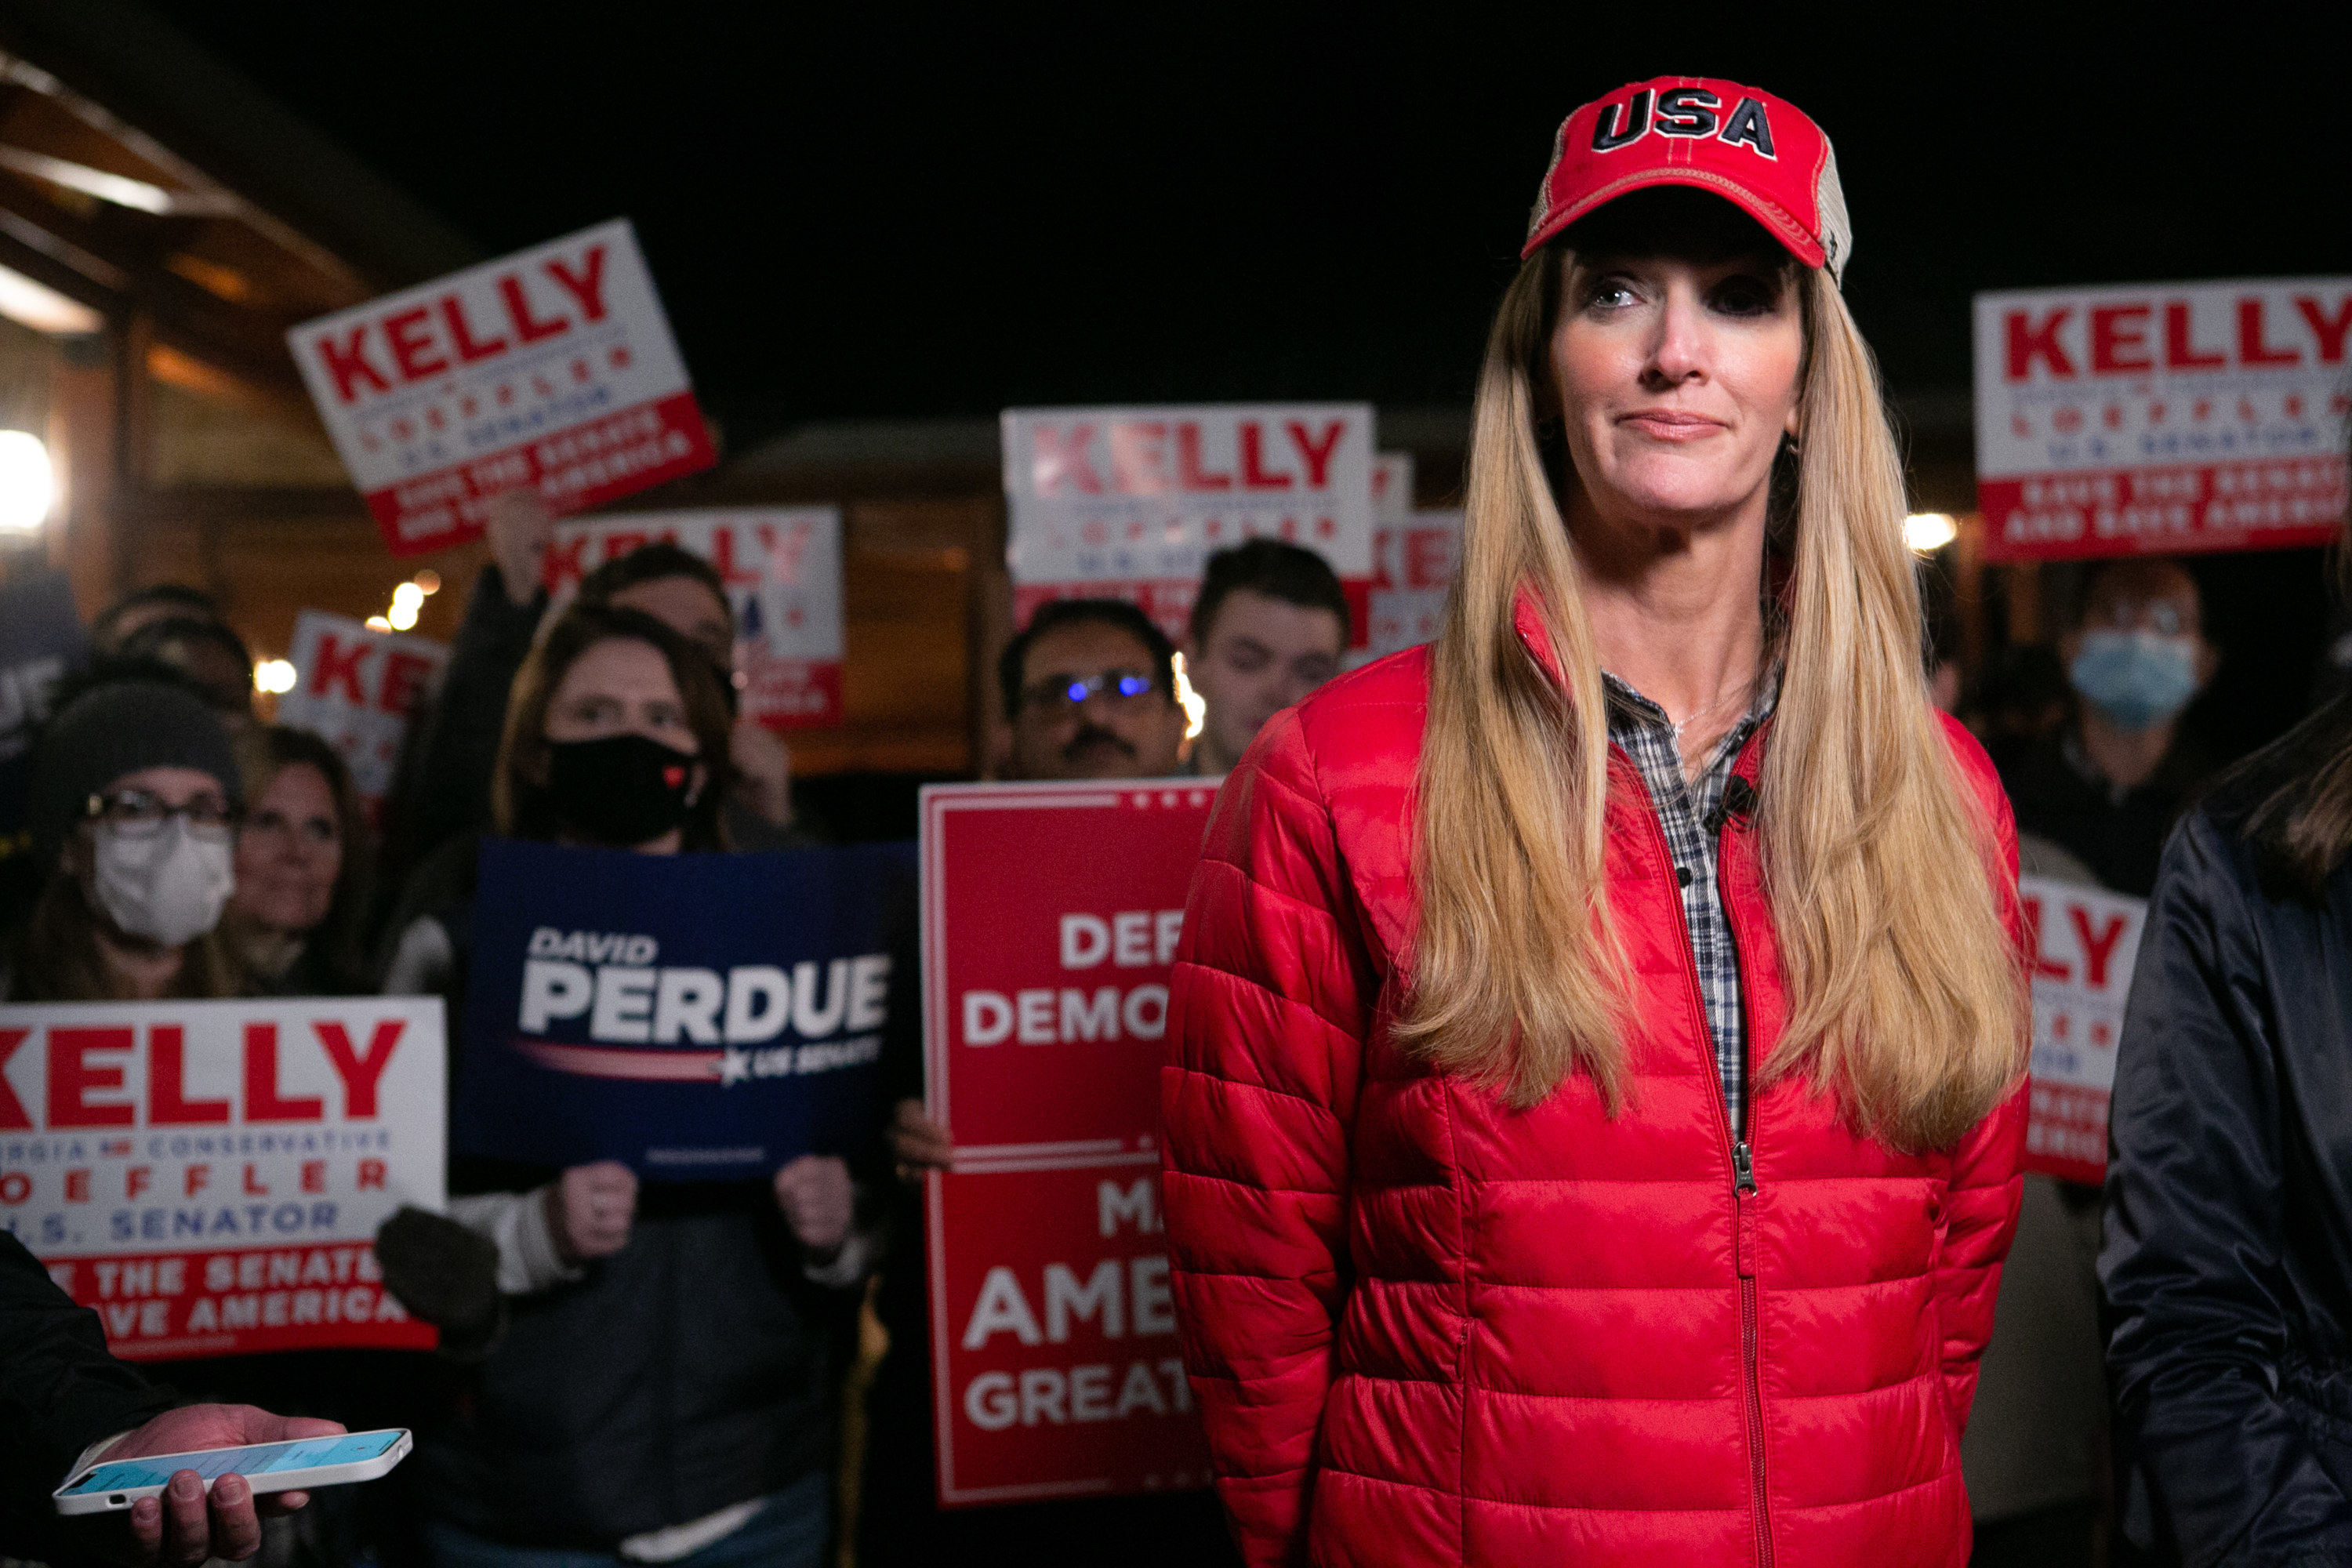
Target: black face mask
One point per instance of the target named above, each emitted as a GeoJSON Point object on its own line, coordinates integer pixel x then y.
{"type": "Point", "coordinates": [623, 790]}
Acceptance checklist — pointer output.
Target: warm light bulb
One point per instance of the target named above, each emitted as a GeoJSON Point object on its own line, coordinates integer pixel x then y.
{"type": "Point", "coordinates": [378, 623]}
{"type": "Point", "coordinates": [428, 581]}
{"type": "Point", "coordinates": [1195, 706]}
{"type": "Point", "coordinates": [28, 484]}
{"type": "Point", "coordinates": [1928, 531]}
{"type": "Point", "coordinates": [275, 675]}
{"type": "Point", "coordinates": [402, 614]}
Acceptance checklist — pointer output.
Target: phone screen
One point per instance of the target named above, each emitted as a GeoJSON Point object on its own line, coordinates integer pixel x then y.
{"type": "Point", "coordinates": [261, 1459]}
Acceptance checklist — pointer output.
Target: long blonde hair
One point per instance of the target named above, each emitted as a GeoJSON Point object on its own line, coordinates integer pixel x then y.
{"type": "Point", "coordinates": [1905, 989]}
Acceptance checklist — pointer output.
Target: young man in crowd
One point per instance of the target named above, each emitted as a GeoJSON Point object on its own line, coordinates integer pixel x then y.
{"type": "Point", "coordinates": [2107, 786]}
{"type": "Point", "coordinates": [1268, 627]}
{"type": "Point", "coordinates": [1089, 690]}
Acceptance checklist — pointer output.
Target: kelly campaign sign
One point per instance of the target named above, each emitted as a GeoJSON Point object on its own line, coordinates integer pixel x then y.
{"type": "Point", "coordinates": [552, 368]}
{"type": "Point", "coordinates": [1051, 914]}
{"type": "Point", "coordinates": [209, 1175]}
{"type": "Point", "coordinates": [700, 1017]}
{"type": "Point", "coordinates": [2161, 417]}
{"type": "Point", "coordinates": [1414, 563]}
{"type": "Point", "coordinates": [356, 688]}
{"type": "Point", "coordinates": [782, 570]}
{"type": "Point", "coordinates": [1128, 503]}
{"type": "Point", "coordinates": [2085, 942]}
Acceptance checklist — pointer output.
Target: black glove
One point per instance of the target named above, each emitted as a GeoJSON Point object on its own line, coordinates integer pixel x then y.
{"type": "Point", "coordinates": [446, 1275]}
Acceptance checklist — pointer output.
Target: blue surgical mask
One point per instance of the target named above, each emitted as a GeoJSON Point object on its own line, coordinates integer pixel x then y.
{"type": "Point", "coordinates": [2137, 680]}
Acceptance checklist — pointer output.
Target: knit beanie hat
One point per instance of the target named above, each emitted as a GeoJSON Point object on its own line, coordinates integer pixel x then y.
{"type": "Point", "coordinates": [112, 730]}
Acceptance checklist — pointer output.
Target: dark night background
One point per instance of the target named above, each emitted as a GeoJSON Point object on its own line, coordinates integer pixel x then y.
{"type": "Point", "coordinates": [879, 211]}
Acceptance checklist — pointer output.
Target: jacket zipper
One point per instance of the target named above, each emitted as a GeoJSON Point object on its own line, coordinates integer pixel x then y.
{"type": "Point", "coordinates": [1743, 1187]}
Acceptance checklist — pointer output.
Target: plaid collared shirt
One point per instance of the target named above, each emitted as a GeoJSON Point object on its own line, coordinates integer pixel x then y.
{"type": "Point", "coordinates": [1640, 728]}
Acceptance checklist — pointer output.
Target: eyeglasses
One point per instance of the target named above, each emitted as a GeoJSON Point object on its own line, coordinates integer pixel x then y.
{"type": "Point", "coordinates": [1069, 691]}
{"type": "Point", "coordinates": [138, 813]}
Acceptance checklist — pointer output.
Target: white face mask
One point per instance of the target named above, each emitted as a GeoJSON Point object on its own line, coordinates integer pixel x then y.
{"type": "Point", "coordinates": [167, 886]}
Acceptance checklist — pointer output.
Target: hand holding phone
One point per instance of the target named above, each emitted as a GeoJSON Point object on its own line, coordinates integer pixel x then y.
{"type": "Point", "coordinates": [197, 1517]}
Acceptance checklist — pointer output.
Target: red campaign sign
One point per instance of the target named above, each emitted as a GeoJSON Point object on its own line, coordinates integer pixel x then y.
{"type": "Point", "coordinates": [1129, 502]}
{"type": "Point", "coordinates": [209, 1175]}
{"type": "Point", "coordinates": [2161, 417]}
{"type": "Point", "coordinates": [782, 570]}
{"type": "Point", "coordinates": [2085, 941]}
{"type": "Point", "coordinates": [1051, 914]}
{"type": "Point", "coordinates": [1053, 1332]}
{"type": "Point", "coordinates": [356, 688]}
{"type": "Point", "coordinates": [552, 368]}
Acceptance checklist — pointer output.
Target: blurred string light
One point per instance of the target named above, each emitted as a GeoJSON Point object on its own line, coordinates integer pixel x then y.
{"type": "Point", "coordinates": [407, 599]}
{"type": "Point", "coordinates": [1928, 531]}
{"type": "Point", "coordinates": [275, 675]}
{"type": "Point", "coordinates": [28, 484]}
{"type": "Point", "coordinates": [1195, 706]}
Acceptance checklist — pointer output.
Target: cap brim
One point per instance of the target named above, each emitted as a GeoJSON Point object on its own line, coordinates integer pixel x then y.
{"type": "Point", "coordinates": [1776, 219]}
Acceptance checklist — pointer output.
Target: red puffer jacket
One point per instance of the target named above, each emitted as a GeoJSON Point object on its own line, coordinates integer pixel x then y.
{"type": "Point", "coordinates": [1425, 1329]}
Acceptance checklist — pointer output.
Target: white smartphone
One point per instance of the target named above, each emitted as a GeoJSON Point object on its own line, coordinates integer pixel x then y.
{"type": "Point", "coordinates": [298, 1465]}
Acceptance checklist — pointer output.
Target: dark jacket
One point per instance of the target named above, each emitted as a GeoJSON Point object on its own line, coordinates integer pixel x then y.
{"type": "Point", "coordinates": [2227, 1267]}
{"type": "Point", "coordinates": [60, 1391]}
{"type": "Point", "coordinates": [694, 1368]}
{"type": "Point", "coordinates": [2058, 792]}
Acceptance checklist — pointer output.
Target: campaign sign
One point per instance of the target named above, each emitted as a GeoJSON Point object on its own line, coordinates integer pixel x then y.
{"type": "Point", "coordinates": [1051, 914]}
{"type": "Point", "coordinates": [209, 1175]}
{"type": "Point", "coordinates": [782, 570]}
{"type": "Point", "coordinates": [700, 1017]}
{"type": "Point", "coordinates": [2085, 942]}
{"type": "Point", "coordinates": [2161, 417]}
{"type": "Point", "coordinates": [1129, 503]}
{"type": "Point", "coordinates": [551, 368]}
{"type": "Point", "coordinates": [1414, 566]}
{"type": "Point", "coordinates": [356, 688]}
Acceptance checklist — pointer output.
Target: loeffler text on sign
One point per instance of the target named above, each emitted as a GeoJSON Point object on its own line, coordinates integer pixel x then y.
{"type": "Point", "coordinates": [1051, 916]}
{"type": "Point", "coordinates": [552, 368]}
{"type": "Point", "coordinates": [209, 1175]}
{"type": "Point", "coordinates": [2161, 417]}
{"type": "Point", "coordinates": [1129, 503]}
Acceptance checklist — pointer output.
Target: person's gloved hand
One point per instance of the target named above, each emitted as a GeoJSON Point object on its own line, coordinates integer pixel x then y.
{"type": "Point", "coordinates": [519, 528]}
{"type": "Point", "coordinates": [919, 1142]}
{"type": "Point", "coordinates": [763, 771]}
{"type": "Point", "coordinates": [817, 1201]}
{"type": "Point", "coordinates": [445, 1274]}
{"type": "Point", "coordinates": [589, 1209]}
{"type": "Point", "coordinates": [185, 1526]}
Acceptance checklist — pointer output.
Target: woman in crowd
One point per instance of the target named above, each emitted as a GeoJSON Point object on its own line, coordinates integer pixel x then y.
{"type": "Point", "coordinates": [663, 1389]}
{"type": "Point", "coordinates": [301, 867]}
{"type": "Point", "coordinates": [2227, 1267]}
{"type": "Point", "coordinates": [134, 800]}
{"type": "Point", "coordinates": [1593, 1111]}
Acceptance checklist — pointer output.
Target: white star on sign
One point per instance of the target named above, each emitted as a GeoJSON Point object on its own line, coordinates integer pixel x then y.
{"type": "Point", "coordinates": [734, 1066]}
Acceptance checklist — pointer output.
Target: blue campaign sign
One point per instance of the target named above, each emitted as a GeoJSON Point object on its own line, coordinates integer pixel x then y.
{"type": "Point", "coordinates": [700, 1017]}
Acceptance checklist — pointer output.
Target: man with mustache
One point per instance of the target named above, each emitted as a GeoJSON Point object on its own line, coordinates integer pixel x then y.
{"type": "Point", "coordinates": [1089, 692]}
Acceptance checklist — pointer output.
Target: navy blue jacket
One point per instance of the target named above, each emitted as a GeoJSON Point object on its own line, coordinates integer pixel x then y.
{"type": "Point", "coordinates": [2227, 1267]}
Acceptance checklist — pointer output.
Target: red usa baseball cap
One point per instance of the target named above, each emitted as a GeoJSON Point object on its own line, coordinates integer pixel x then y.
{"type": "Point", "coordinates": [1746, 146]}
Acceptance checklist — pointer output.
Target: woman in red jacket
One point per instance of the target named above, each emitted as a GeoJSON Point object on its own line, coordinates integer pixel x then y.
{"type": "Point", "coordinates": [1592, 1116]}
